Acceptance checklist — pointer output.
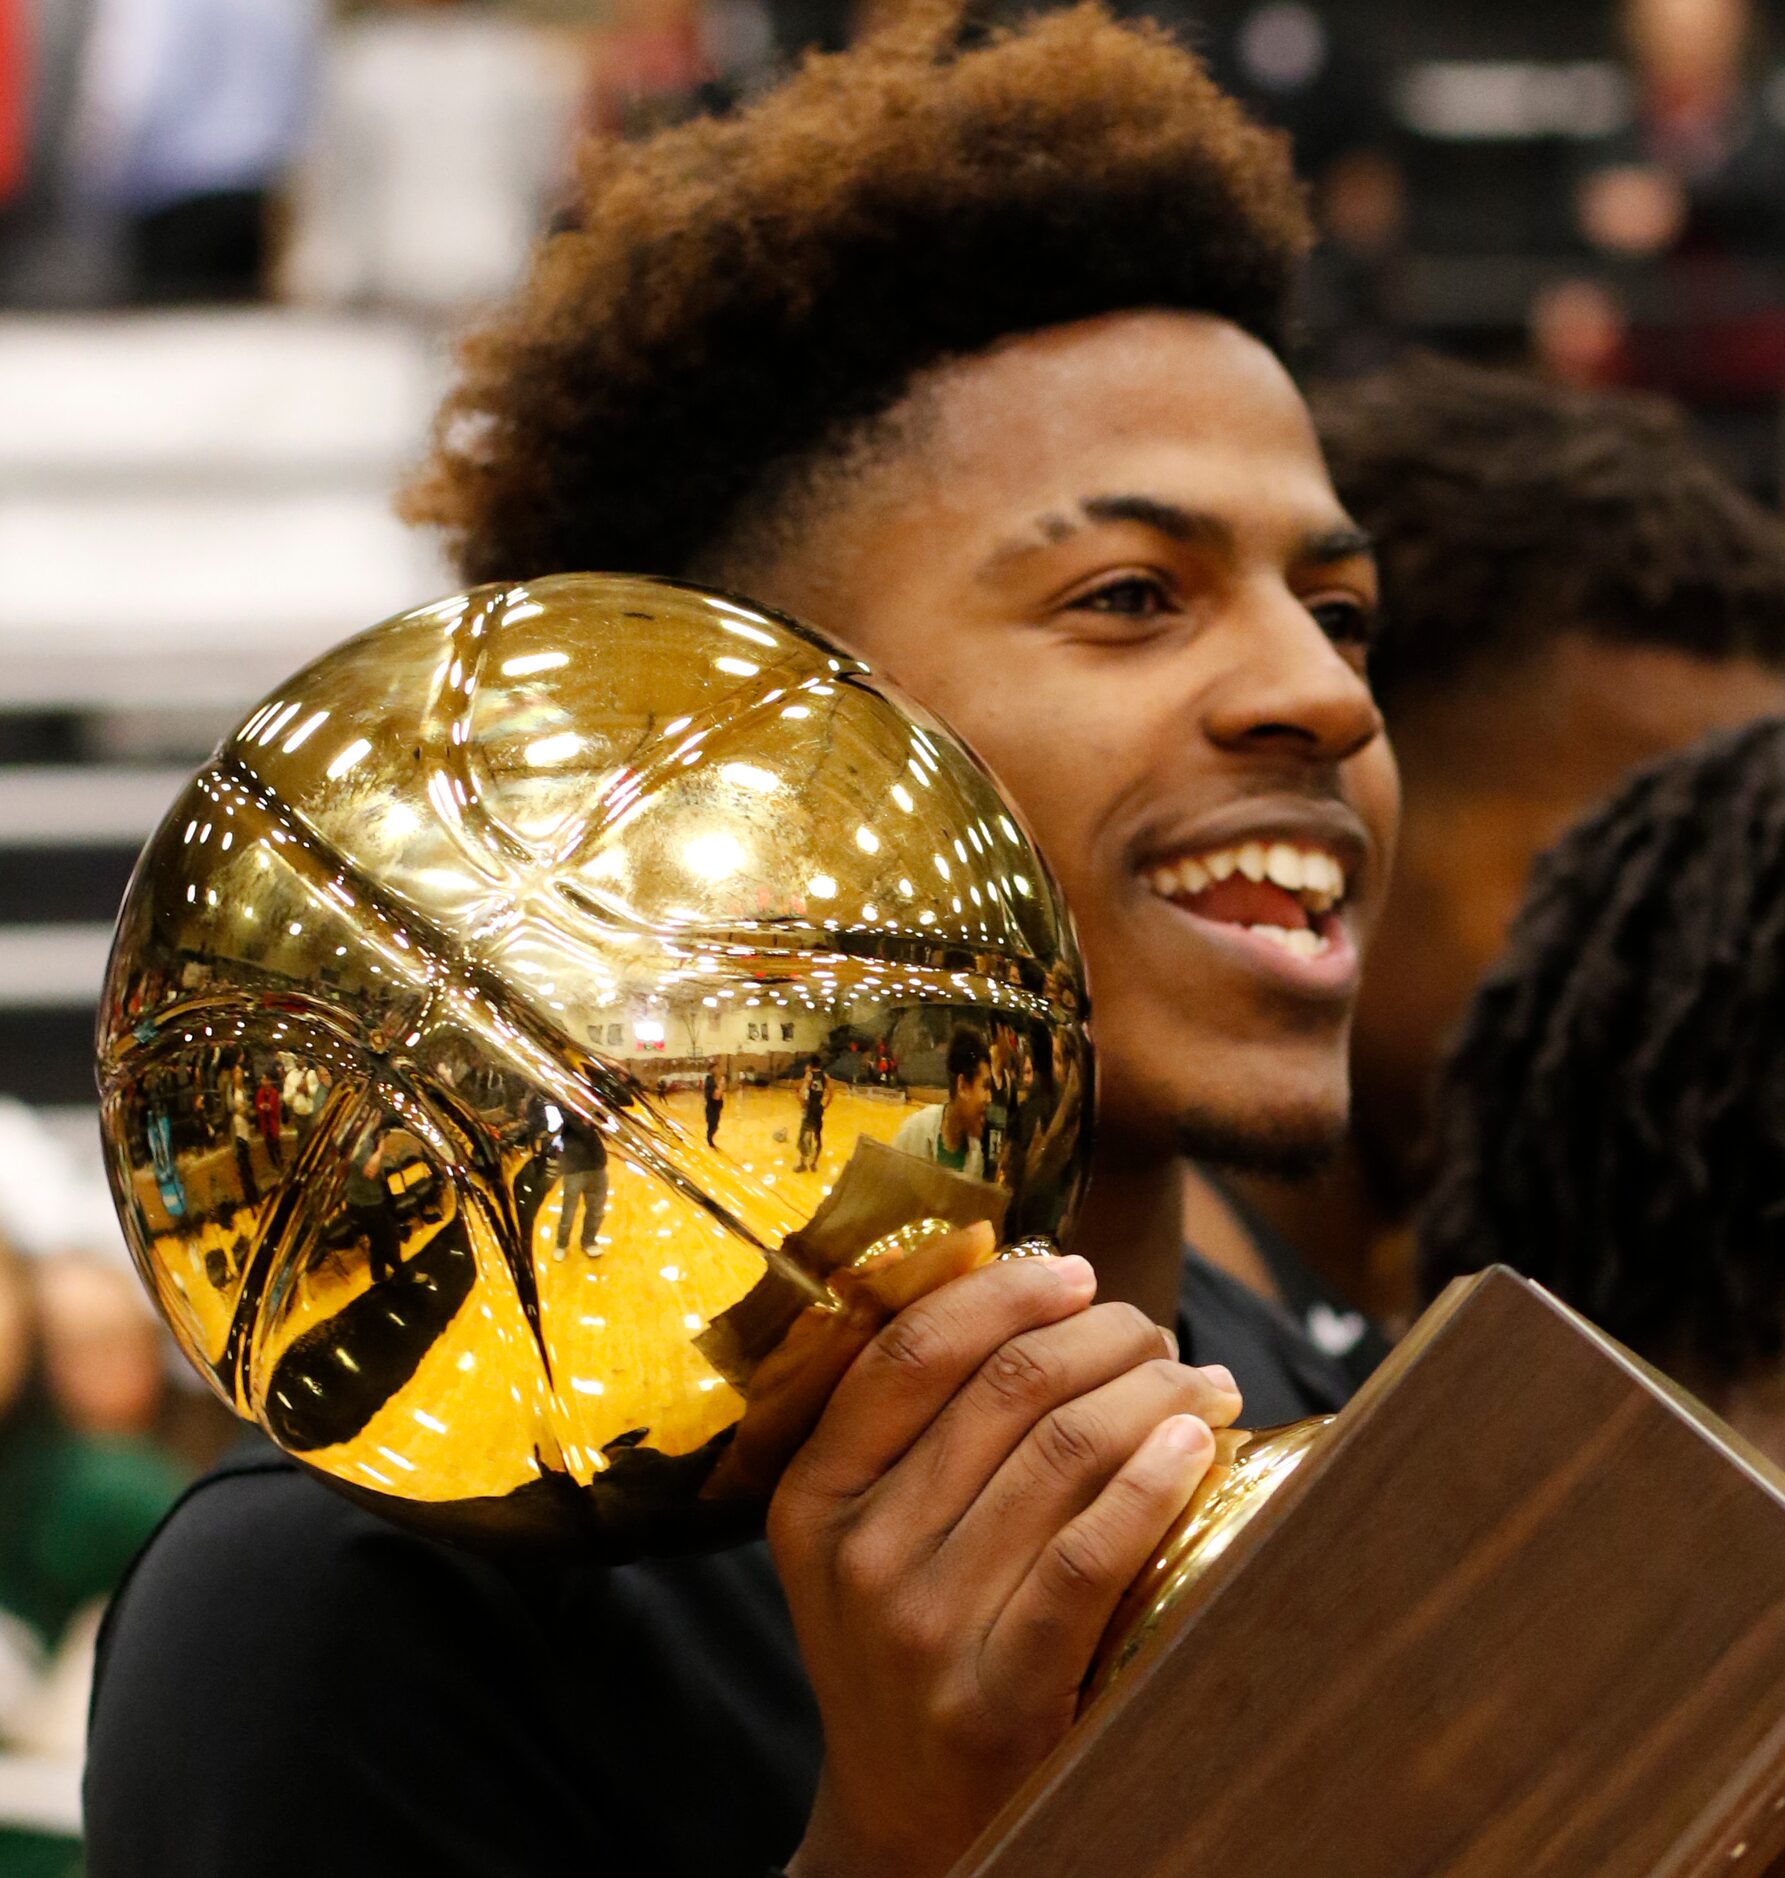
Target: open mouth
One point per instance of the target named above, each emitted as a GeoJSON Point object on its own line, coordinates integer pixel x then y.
{"type": "Point", "coordinates": [1285, 892]}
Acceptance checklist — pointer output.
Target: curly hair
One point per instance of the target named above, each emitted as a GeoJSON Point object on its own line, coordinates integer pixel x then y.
{"type": "Point", "coordinates": [1611, 1119]}
{"type": "Point", "coordinates": [739, 298]}
{"type": "Point", "coordinates": [1507, 510]}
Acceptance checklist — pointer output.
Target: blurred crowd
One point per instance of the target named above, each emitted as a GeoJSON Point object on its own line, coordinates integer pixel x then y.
{"type": "Point", "coordinates": [1616, 215]}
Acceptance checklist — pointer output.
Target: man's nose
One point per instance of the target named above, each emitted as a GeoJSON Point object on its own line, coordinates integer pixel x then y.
{"type": "Point", "coordinates": [1289, 690]}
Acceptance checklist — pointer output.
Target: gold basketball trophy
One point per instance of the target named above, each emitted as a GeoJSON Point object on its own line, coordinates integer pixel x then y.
{"type": "Point", "coordinates": [507, 1040]}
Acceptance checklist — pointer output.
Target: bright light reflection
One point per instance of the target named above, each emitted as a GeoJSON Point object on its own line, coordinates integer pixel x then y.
{"type": "Point", "coordinates": [749, 776]}
{"type": "Point", "coordinates": [311, 723]}
{"type": "Point", "coordinates": [532, 662]}
{"type": "Point", "coordinates": [867, 840]}
{"type": "Point", "coordinates": [714, 856]}
{"type": "Point", "coordinates": [345, 761]}
{"type": "Point", "coordinates": [738, 668]}
{"type": "Point", "coordinates": [545, 751]}
{"type": "Point", "coordinates": [822, 887]}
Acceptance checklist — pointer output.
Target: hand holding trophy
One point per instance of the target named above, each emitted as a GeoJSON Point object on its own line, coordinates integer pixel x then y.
{"type": "Point", "coordinates": [420, 995]}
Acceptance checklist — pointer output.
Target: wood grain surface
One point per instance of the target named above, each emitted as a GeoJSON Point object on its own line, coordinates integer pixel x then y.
{"type": "Point", "coordinates": [1523, 1617]}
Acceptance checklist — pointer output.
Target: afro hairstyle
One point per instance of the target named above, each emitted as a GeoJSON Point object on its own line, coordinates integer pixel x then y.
{"type": "Point", "coordinates": [737, 299]}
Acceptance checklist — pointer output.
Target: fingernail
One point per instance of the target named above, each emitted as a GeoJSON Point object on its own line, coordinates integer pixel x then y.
{"type": "Point", "coordinates": [1169, 1338]}
{"type": "Point", "coordinates": [1220, 1377]}
{"type": "Point", "coordinates": [1074, 1273]}
{"type": "Point", "coordinates": [1185, 1434]}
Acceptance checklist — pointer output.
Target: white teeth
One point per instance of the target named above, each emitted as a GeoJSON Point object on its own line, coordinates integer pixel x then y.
{"type": "Point", "coordinates": [1284, 865]}
{"type": "Point", "coordinates": [1300, 942]}
{"type": "Point", "coordinates": [1312, 874]}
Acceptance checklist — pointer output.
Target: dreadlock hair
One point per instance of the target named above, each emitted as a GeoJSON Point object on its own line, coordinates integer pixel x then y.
{"type": "Point", "coordinates": [1507, 510]}
{"type": "Point", "coordinates": [738, 298]}
{"type": "Point", "coordinates": [1611, 1119]}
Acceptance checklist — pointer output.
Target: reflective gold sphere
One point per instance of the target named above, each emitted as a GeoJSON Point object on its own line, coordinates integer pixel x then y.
{"type": "Point", "coordinates": [419, 1000]}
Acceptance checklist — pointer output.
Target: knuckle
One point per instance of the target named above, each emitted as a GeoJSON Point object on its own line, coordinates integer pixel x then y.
{"type": "Point", "coordinates": [1135, 1325]}
{"type": "Point", "coordinates": [861, 1561]}
{"type": "Point", "coordinates": [955, 1711]}
{"type": "Point", "coordinates": [1175, 1380]}
{"type": "Point", "coordinates": [912, 1343]}
{"type": "Point", "coordinates": [1067, 1442]}
{"type": "Point", "coordinates": [1077, 1564]}
{"type": "Point", "coordinates": [1018, 1375]}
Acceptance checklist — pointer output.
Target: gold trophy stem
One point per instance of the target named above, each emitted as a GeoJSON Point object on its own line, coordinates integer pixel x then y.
{"type": "Point", "coordinates": [1249, 1466]}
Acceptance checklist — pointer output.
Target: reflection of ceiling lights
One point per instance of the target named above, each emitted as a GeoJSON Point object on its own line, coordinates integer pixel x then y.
{"type": "Point", "coordinates": [867, 840]}
{"type": "Point", "coordinates": [543, 752]}
{"type": "Point", "coordinates": [822, 887]}
{"type": "Point", "coordinates": [714, 856]}
{"type": "Point", "coordinates": [748, 776]}
{"type": "Point", "coordinates": [648, 1030]}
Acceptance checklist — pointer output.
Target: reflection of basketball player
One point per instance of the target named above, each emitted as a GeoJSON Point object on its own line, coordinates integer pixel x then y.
{"type": "Point", "coordinates": [815, 1096]}
{"type": "Point", "coordinates": [582, 1172]}
{"type": "Point", "coordinates": [712, 1093]}
{"type": "Point", "coordinates": [369, 1206]}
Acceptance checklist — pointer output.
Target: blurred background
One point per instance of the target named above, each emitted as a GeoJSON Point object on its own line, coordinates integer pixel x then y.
{"type": "Point", "coordinates": [235, 238]}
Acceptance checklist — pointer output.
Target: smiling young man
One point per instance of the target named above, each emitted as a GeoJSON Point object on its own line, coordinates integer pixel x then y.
{"type": "Point", "coordinates": [973, 359]}
{"type": "Point", "coordinates": [953, 1132]}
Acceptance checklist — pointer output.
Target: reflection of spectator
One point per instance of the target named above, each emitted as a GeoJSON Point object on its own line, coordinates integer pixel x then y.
{"type": "Point", "coordinates": [950, 1133]}
{"type": "Point", "coordinates": [301, 1089]}
{"type": "Point", "coordinates": [196, 111]}
{"type": "Point", "coordinates": [266, 1113]}
{"type": "Point", "coordinates": [241, 1135]}
{"type": "Point", "coordinates": [712, 1095]}
{"type": "Point", "coordinates": [582, 1172]}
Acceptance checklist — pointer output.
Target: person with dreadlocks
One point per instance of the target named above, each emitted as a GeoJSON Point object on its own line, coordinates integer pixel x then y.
{"type": "Point", "coordinates": [1570, 588]}
{"type": "Point", "coordinates": [1611, 1119]}
{"type": "Point", "coordinates": [971, 356]}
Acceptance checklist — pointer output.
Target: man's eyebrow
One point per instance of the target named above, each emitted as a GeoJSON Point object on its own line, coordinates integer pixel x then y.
{"type": "Point", "coordinates": [1165, 518]}
{"type": "Point", "coordinates": [1342, 543]}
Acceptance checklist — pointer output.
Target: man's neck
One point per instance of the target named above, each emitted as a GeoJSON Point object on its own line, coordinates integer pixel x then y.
{"type": "Point", "coordinates": [1129, 1228]}
{"type": "Point", "coordinates": [1336, 1222]}
{"type": "Point", "coordinates": [954, 1133]}
{"type": "Point", "coordinates": [1214, 1227]}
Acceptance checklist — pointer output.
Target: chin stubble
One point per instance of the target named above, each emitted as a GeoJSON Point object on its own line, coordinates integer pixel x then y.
{"type": "Point", "coordinates": [1283, 1149]}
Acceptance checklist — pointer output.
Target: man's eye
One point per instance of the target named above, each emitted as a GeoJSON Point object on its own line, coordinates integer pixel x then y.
{"type": "Point", "coordinates": [1345, 622]}
{"type": "Point", "coordinates": [1136, 596]}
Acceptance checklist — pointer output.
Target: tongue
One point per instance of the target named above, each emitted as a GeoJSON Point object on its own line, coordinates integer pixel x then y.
{"type": "Point", "coordinates": [1237, 901]}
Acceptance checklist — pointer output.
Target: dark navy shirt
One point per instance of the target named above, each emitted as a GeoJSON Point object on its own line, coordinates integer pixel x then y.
{"type": "Point", "coordinates": [289, 1687]}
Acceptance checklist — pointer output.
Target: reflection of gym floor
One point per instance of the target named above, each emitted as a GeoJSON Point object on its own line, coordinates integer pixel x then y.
{"type": "Point", "coordinates": [620, 1324]}
{"type": "Point", "coordinates": [752, 1117]}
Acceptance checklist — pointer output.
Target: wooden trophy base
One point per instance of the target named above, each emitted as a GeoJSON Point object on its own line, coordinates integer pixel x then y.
{"type": "Point", "coordinates": [1522, 1615]}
